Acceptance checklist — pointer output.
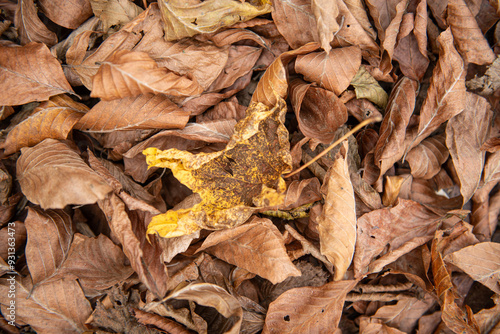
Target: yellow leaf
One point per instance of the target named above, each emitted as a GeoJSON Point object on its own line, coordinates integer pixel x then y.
{"type": "Point", "coordinates": [186, 19]}
{"type": "Point", "coordinates": [232, 183]}
{"type": "Point", "coordinates": [366, 87]}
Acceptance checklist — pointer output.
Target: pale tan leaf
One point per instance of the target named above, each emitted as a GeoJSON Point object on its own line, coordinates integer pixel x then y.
{"type": "Point", "coordinates": [24, 70]}
{"type": "Point", "coordinates": [184, 19]}
{"type": "Point", "coordinates": [391, 189]}
{"type": "Point", "coordinates": [371, 325]}
{"type": "Point", "coordinates": [29, 26]}
{"type": "Point", "coordinates": [128, 73]}
{"type": "Point", "coordinates": [358, 10]}
{"type": "Point", "coordinates": [308, 309]}
{"type": "Point", "coordinates": [53, 176]}
{"type": "Point", "coordinates": [325, 12]}
{"type": "Point", "coordinates": [465, 133]}
{"type": "Point", "coordinates": [366, 87]}
{"type": "Point", "coordinates": [427, 157]}
{"type": "Point", "coordinates": [481, 262]}
{"type": "Point", "coordinates": [468, 37]}
{"type": "Point", "coordinates": [6, 111]}
{"type": "Point", "coordinates": [256, 246]}
{"type": "Point", "coordinates": [145, 111]}
{"type": "Point", "coordinates": [69, 14]}
{"type": "Point", "coordinates": [50, 235]}
{"type": "Point", "coordinates": [488, 319]}
{"type": "Point", "coordinates": [333, 71]}
{"type": "Point", "coordinates": [56, 307]}
{"type": "Point", "coordinates": [114, 12]}
{"type": "Point", "coordinates": [420, 26]}
{"type": "Point", "coordinates": [51, 119]}
{"type": "Point", "coordinates": [337, 222]}
{"type": "Point", "coordinates": [446, 93]}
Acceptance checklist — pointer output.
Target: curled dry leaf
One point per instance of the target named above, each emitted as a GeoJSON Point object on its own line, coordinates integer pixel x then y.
{"type": "Point", "coordinates": [325, 12]}
{"type": "Point", "coordinates": [114, 12]}
{"type": "Point", "coordinates": [128, 73]}
{"type": "Point", "coordinates": [51, 119]}
{"type": "Point", "coordinates": [427, 157]}
{"type": "Point", "coordinates": [145, 111]}
{"type": "Point", "coordinates": [295, 21]}
{"type": "Point", "coordinates": [333, 71]}
{"type": "Point", "coordinates": [337, 222]}
{"type": "Point", "coordinates": [69, 14]}
{"type": "Point", "coordinates": [59, 306]}
{"type": "Point", "coordinates": [53, 176]}
{"type": "Point", "coordinates": [465, 133]}
{"type": "Point", "coordinates": [184, 19]}
{"type": "Point", "coordinates": [50, 236]}
{"type": "Point", "coordinates": [29, 25]}
{"type": "Point", "coordinates": [233, 182]}
{"type": "Point", "coordinates": [308, 309]}
{"type": "Point", "coordinates": [24, 70]}
{"type": "Point", "coordinates": [168, 325]}
{"type": "Point", "coordinates": [256, 246]}
{"type": "Point", "coordinates": [411, 61]}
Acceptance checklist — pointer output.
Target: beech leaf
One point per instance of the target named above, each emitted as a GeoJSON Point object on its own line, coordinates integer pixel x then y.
{"type": "Point", "coordinates": [427, 157]}
{"type": "Point", "coordinates": [326, 13]}
{"type": "Point", "coordinates": [295, 21]}
{"type": "Point", "coordinates": [366, 87]}
{"type": "Point", "coordinates": [69, 14]}
{"type": "Point", "coordinates": [30, 27]}
{"type": "Point", "coordinates": [114, 12]}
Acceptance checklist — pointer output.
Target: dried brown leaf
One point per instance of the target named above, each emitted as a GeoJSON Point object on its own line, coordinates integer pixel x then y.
{"type": "Point", "coordinates": [24, 70]}
{"type": "Point", "coordinates": [114, 12]}
{"type": "Point", "coordinates": [358, 11]}
{"type": "Point", "coordinates": [391, 189]}
{"type": "Point", "coordinates": [376, 326]}
{"type": "Point", "coordinates": [366, 87]}
{"type": "Point", "coordinates": [333, 71]}
{"type": "Point", "coordinates": [168, 325]}
{"type": "Point", "coordinates": [383, 12]}
{"type": "Point", "coordinates": [308, 309]}
{"type": "Point", "coordinates": [50, 236]}
{"type": "Point", "coordinates": [145, 111]}
{"type": "Point", "coordinates": [326, 13]}
{"type": "Point", "coordinates": [337, 222]}
{"type": "Point", "coordinates": [488, 319]}
{"type": "Point", "coordinates": [231, 36]}
{"type": "Point", "coordinates": [29, 25]}
{"type": "Point", "coordinates": [468, 37]}
{"type": "Point", "coordinates": [5, 111]}
{"type": "Point", "coordinates": [295, 21]}
{"type": "Point", "coordinates": [51, 119]}
{"type": "Point", "coordinates": [128, 73]}
{"type": "Point", "coordinates": [69, 14]}
{"type": "Point", "coordinates": [427, 157]}
{"type": "Point", "coordinates": [256, 246]}
{"type": "Point", "coordinates": [411, 61]}
{"type": "Point", "coordinates": [53, 176]}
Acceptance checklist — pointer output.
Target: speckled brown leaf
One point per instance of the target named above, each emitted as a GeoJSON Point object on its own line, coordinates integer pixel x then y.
{"type": "Point", "coordinates": [325, 12]}
{"type": "Point", "coordinates": [295, 21]}
{"type": "Point", "coordinates": [145, 111]}
{"type": "Point", "coordinates": [337, 222]}
{"type": "Point", "coordinates": [319, 112]}
{"type": "Point", "coordinates": [53, 176]}
{"type": "Point", "coordinates": [114, 12]}
{"type": "Point", "coordinates": [29, 25]}
{"type": "Point", "coordinates": [50, 235]}
{"type": "Point", "coordinates": [69, 14]}
{"type": "Point", "coordinates": [184, 19]}
{"type": "Point", "coordinates": [56, 307]}
{"type": "Point", "coordinates": [470, 41]}
{"type": "Point", "coordinates": [333, 71]}
{"type": "Point", "coordinates": [427, 157]}
{"type": "Point", "coordinates": [480, 261]}
{"type": "Point", "coordinates": [51, 119]}
{"type": "Point", "coordinates": [465, 133]}
{"type": "Point", "coordinates": [256, 246]}
{"type": "Point", "coordinates": [24, 70]}
{"type": "Point", "coordinates": [446, 93]}
{"type": "Point", "coordinates": [308, 309]}
{"type": "Point", "coordinates": [127, 73]}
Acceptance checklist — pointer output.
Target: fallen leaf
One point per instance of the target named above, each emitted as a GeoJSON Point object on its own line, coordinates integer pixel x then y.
{"type": "Point", "coordinates": [54, 119]}
{"type": "Point", "coordinates": [308, 309]}
{"type": "Point", "coordinates": [426, 158]}
{"type": "Point", "coordinates": [19, 234]}
{"type": "Point", "coordinates": [145, 111]}
{"type": "Point", "coordinates": [391, 189]}
{"type": "Point", "coordinates": [114, 12]}
{"type": "Point", "coordinates": [376, 326]}
{"type": "Point", "coordinates": [382, 13]}
{"type": "Point", "coordinates": [358, 11]}
{"type": "Point", "coordinates": [337, 222]}
{"type": "Point", "coordinates": [488, 319]}
{"type": "Point", "coordinates": [69, 14]}
{"type": "Point", "coordinates": [128, 73]}
{"type": "Point", "coordinates": [366, 87]}
{"type": "Point", "coordinates": [188, 19]}
{"type": "Point", "coordinates": [231, 36]}
{"type": "Point", "coordinates": [256, 246]}
{"type": "Point", "coordinates": [362, 109]}
{"type": "Point", "coordinates": [333, 71]}
{"type": "Point", "coordinates": [465, 133]}
{"type": "Point", "coordinates": [29, 25]}
{"type": "Point", "coordinates": [326, 13]}
{"type": "Point", "coordinates": [168, 325]}
{"type": "Point", "coordinates": [227, 189]}
{"type": "Point", "coordinates": [411, 61]}
{"type": "Point", "coordinates": [489, 82]}
{"type": "Point", "coordinates": [24, 70]}
{"type": "Point", "coordinates": [295, 21]}
{"type": "Point", "coordinates": [53, 176]}
{"type": "Point", "coordinates": [50, 235]}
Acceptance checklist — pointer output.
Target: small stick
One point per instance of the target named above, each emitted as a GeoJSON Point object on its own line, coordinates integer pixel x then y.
{"type": "Point", "coordinates": [340, 140]}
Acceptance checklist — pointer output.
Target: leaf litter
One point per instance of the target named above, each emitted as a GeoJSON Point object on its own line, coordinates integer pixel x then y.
{"type": "Point", "coordinates": [194, 166]}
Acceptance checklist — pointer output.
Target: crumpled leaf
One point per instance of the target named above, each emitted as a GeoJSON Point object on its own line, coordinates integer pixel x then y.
{"type": "Point", "coordinates": [366, 87]}
{"type": "Point", "coordinates": [53, 176]}
{"type": "Point", "coordinates": [114, 12]}
{"type": "Point", "coordinates": [488, 83]}
{"type": "Point", "coordinates": [231, 183]}
{"type": "Point", "coordinates": [129, 73]}
{"type": "Point", "coordinates": [184, 19]}
{"type": "Point", "coordinates": [29, 25]}
{"type": "Point", "coordinates": [325, 12]}
{"type": "Point", "coordinates": [69, 14]}
{"type": "Point", "coordinates": [256, 246]}
{"type": "Point", "coordinates": [24, 70]}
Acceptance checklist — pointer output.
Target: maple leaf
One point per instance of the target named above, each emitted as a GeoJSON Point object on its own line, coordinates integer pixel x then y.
{"type": "Point", "coordinates": [232, 183]}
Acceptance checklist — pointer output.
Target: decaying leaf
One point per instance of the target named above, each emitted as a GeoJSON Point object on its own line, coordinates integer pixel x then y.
{"type": "Point", "coordinates": [366, 87]}
{"type": "Point", "coordinates": [114, 12]}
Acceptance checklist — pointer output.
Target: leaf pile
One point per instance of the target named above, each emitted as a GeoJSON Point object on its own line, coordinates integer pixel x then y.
{"type": "Point", "coordinates": [147, 155]}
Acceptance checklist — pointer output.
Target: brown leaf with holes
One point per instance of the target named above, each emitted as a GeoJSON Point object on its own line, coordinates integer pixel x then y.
{"type": "Point", "coordinates": [427, 157]}
{"type": "Point", "coordinates": [54, 119]}
{"type": "Point", "coordinates": [69, 14]}
{"type": "Point", "coordinates": [127, 73]}
{"type": "Point", "coordinates": [24, 70]}
{"type": "Point", "coordinates": [53, 175]}
{"type": "Point", "coordinates": [29, 25]}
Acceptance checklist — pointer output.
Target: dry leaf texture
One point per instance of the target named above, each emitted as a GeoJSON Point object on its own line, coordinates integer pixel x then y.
{"type": "Point", "coordinates": [69, 14]}
{"type": "Point", "coordinates": [29, 26]}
